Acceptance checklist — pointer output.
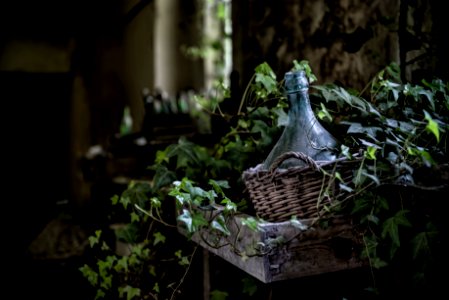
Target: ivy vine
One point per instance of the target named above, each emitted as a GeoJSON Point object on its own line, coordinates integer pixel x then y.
{"type": "Point", "coordinates": [401, 129]}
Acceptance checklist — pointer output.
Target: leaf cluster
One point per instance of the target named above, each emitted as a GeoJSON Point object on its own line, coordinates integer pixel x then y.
{"type": "Point", "coordinates": [400, 131]}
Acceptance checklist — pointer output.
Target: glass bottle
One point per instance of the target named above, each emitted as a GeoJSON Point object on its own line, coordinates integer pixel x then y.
{"type": "Point", "coordinates": [303, 133]}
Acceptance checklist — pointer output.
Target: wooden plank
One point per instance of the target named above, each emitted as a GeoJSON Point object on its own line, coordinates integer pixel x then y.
{"type": "Point", "coordinates": [280, 251]}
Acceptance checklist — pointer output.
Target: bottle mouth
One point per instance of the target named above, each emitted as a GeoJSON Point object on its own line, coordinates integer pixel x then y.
{"type": "Point", "coordinates": [295, 81]}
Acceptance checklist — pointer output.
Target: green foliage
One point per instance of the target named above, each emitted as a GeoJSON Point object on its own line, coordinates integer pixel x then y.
{"type": "Point", "coordinates": [303, 65]}
{"type": "Point", "coordinates": [397, 130]}
{"type": "Point", "coordinates": [249, 286]}
{"type": "Point", "coordinates": [142, 269]}
{"type": "Point", "coordinates": [129, 291]}
{"type": "Point", "coordinates": [218, 295]}
{"type": "Point", "coordinates": [402, 131]}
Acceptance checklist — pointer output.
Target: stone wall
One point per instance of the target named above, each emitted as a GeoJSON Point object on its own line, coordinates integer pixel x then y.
{"type": "Point", "coordinates": [345, 41]}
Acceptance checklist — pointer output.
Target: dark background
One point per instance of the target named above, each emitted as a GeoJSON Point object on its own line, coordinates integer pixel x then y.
{"type": "Point", "coordinates": [345, 43]}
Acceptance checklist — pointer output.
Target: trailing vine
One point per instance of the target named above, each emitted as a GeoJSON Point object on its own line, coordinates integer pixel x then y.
{"type": "Point", "coordinates": [400, 129]}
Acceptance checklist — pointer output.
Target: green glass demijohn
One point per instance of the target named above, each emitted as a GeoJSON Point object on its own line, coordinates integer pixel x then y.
{"type": "Point", "coordinates": [303, 133]}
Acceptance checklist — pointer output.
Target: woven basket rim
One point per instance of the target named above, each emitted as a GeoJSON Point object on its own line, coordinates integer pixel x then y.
{"type": "Point", "coordinates": [258, 169]}
{"type": "Point", "coordinates": [278, 193]}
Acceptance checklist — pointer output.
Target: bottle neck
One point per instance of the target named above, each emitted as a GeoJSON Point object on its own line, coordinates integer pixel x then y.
{"type": "Point", "coordinates": [300, 109]}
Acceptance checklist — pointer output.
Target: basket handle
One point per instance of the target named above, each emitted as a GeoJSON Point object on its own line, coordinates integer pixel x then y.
{"type": "Point", "coordinates": [291, 154]}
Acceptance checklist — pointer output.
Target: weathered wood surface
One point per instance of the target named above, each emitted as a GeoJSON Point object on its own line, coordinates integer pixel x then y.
{"type": "Point", "coordinates": [280, 251]}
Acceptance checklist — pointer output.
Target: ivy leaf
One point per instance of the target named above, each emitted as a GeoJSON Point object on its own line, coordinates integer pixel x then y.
{"type": "Point", "coordinates": [145, 253]}
{"type": "Point", "coordinates": [229, 205]}
{"type": "Point", "coordinates": [345, 187]}
{"type": "Point", "coordinates": [378, 263]}
{"type": "Point", "coordinates": [133, 260]}
{"type": "Point", "coordinates": [249, 286]}
{"type": "Point", "coordinates": [265, 73]}
{"type": "Point", "coordinates": [130, 292]}
{"type": "Point", "coordinates": [178, 253]}
{"type": "Point", "coordinates": [136, 193]}
{"type": "Point", "coordinates": [354, 127]}
{"type": "Point", "coordinates": [100, 294]}
{"type": "Point", "coordinates": [372, 110]}
{"type": "Point", "coordinates": [393, 87]}
{"type": "Point", "coordinates": [372, 177]}
{"type": "Point", "coordinates": [93, 240]}
{"type": "Point", "coordinates": [264, 68]}
{"type": "Point", "coordinates": [104, 266]}
{"type": "Point", "coordinates": [183, 260]}
{"type": "Point", "coordinates": [351, 100]}
{"type": "Point", "coordinates": [242, 123]}
{"type": "Point", "coordinates": [218, 295]}
{"type": "Point", "coordinates": [369, 144]}
{"type": "Point", "coordinates": [192, 221]}
{"type": "Point", "coordinates": [115, 199]}
{"type": "Point", "coordinates": [425, 156]}
{"type": "Point", "coordinates": [127, 233]}
{"type": "Point", "coordinates": [155, 202]}
{"type": "Point", "coordinates": [422, 241]}
{"type": "Point", "coordinates": [345, 151]}
{"type": "Point", "coordinates": [304, 66]}
{"type": "Point", "coordinates": [391, 142]}
{"type": "Point", "coordinates": [125, 201]}
{"type": "Point", "coordinates": [162, 156]}
{"type": "Point", "coordinates": [432, 126]}
{"type": "Point", "coordinates": [219, 185]}
{"type": "Point", "coordinates": [420, 244]}
{"type": "Point", "coordinates": [104, 246]}
{"type": "Point", "coordinates": [391, 227]}
{"type": "Point", "coordinates": [361, 205]}
{"type": "Point", "coordinates": [183, 198]}
{"type": "Point", "coordinates": [111, 259]}
{"type": "Point", "coordinates": [90, 274]}
{"type": "Point", "coordinates": [251, 222]}
{"type": "Point", "coordinates": [324, 113]}
{"type": "Point", "coordinates": [370, 152]}
{"type": "Point", "coordinates": [219, 223]}
{"type": "Point", "coordinates": [382, 203]}
{"type": "Point", "coordinates": [158, 238]}
{"type": "Point", "coordinates": [394, 71]}
{"type": "Point", "coordinates": [187, 153]}
{"type": "Point", "coordinates": [211, 195]}
{"type": "Point", "coordinates": [326, 92]}
{"type": "Point", "coordinates": [162, 176]}
{"type": "Point", "coordinates": [406, 127]}
{"type": "Point", "coordinates": [106, 282]}
{"type": "Point", "coordinates": [186, 218]}
{"type": "Point", "coordinates": [122, 264]}
{"type": "Point", "coordinates": [418, 91]}
{"type": "Point", "coordinates": [373, 219]}
{"type": "Point", "coordinates": [359, 177]}
{"type": "Point", "coordinates": [264, 130]}
{"type": "Point", "coordinates": [195, 194]}
{"type": "Point", "coordinates": [137, 250]}
{"type": "Point", "coordinates": [134, 217]}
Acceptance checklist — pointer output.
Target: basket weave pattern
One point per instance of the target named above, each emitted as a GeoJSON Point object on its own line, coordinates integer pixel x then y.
{"type": "Point", "coordinates": [302, 191]}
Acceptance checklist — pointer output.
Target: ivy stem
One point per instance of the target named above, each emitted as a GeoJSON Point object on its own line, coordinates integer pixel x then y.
{"type": "Point", "coordinates": [151, 216]}
{"type": "Point", "coordinates": [244, 94]}
{"type": "Point", "coordinates": [185, 274]}
{"type": "Point", "coordinates": [369, 260]}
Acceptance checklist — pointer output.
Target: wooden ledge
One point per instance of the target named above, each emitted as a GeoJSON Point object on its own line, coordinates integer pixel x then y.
{"type": "Point", "coordinates": [280, 251]}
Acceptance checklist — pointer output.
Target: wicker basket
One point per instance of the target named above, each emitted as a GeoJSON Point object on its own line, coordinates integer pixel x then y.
{"type": "Point", "coordinates": [304, 191]}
